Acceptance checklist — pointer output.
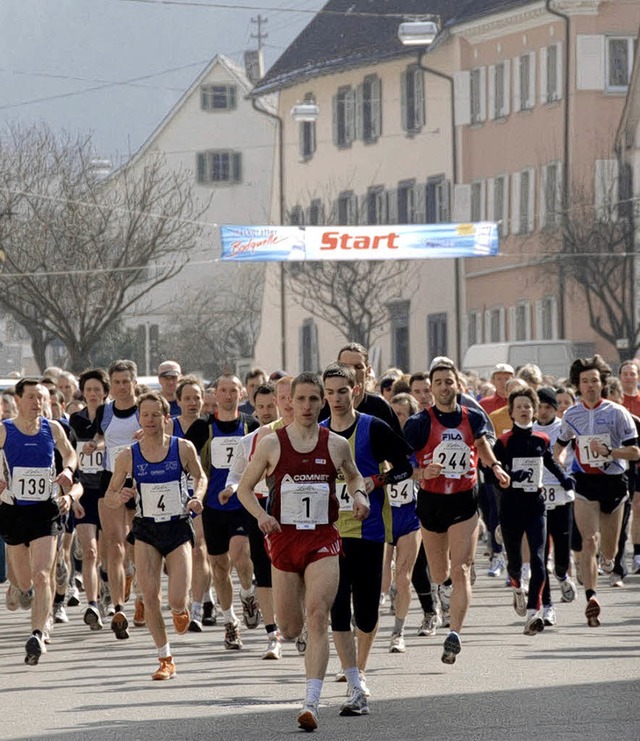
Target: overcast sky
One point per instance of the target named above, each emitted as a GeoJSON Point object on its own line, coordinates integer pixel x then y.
{"type": "Point", "coordinates": [115, 67]}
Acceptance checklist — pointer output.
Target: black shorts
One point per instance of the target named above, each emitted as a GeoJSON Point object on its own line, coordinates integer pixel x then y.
{"type": "Point", "coordinates": [609, 491]}
{"type": "Point", "coordinates": [259, 556]}
{"type": "Point", "coordinates": [22, 524]}
{"type": "Point", "coordinates": [89, 502]}
{"type": "Point", "coordinates": [438, 512]}
{"type": "Point", "coordinates": [221, 525]}
{"type": "Point", "coordinates": [165, 537]}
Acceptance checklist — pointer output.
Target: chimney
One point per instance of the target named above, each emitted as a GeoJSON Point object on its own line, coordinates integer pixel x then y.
{"type": "Point", "coordinates": [253, 65]}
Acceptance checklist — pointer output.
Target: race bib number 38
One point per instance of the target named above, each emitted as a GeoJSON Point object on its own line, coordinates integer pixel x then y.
{"type": "Point", "coordinates": [31, 484]}
{"type": "Point", "coordinates": [304, 505]}
{"type": "Point", "coordinates": [454, 457]}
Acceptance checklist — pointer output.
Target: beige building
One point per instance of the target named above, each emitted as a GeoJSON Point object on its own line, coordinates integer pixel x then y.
{"type": "Point", "coordinates": [537, 89]}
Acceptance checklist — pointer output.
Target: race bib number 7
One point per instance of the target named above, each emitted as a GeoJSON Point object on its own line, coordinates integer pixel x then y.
{"type": "Point", "coordinates": [222, 451]}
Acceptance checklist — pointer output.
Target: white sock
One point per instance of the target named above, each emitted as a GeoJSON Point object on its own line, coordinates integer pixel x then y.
{"type": "Point", "coordinates": [210, 597]}
{"type": "Point", "coordinates": [229, 615]}
{"type": "Point", "coordinates": [244, 593]}
{"type": "Point", "coordinates": [314, 688]}
{"type": "Point", "coordinates": [164, 651]}
{"type": "Point", "coordinates": [353, 677]}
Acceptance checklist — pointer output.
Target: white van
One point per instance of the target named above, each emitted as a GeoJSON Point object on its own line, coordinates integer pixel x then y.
{"type": "Point", "coordinates": [551, 356]}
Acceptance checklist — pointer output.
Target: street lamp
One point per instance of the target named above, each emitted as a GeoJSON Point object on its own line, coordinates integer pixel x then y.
{"type": "Point", "coordinates": [421, 34]}
{"type": "Point", "coordinates": [306, 112]}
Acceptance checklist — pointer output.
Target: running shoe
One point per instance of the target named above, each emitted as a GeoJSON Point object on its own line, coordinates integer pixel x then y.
{"type": "Point", "coordinates": [451, 648]}
{"type": "Point", "coordinates": [383, 599]}
{"type": "Point", "coordinates": [232, 636]}
{"type": "Point", "coordinates": [549, 615]}
{"type": "Point", "coordinates": [341, 676]}
{"type": "Point", "coordinates": [301, 641]}
{"type": "Point", "coordinates": [138, 613]}
{"type": "Point", "coordinates": [250, 611]}
{"type": "Point", "coordinates": [120, 626]}
{"type": "Point", "coordinates": [592, 613]}
{"type": "Point", "coordinates": [534, 624]}
{"type": "Point", "coordinates": [607, 566]}
{"type": "Point", "coordinates": [363, 684]}
{"type": "Point", "coordinates": [60, 614]}
{"type": "Point", "coordinates": [73, 596]}
{"type": "Point", "coordinates": [357, 704]}
{"type": "Point", "coordinates": [636, 564]}
{"type": "Point", "coordinates": [25, 598]}
{"type": "Point", "coordinates": [12, 598]}
{"type": "Point", "coordinates": [181, 621]}
{"type": "Point", "coordinates": [209, 613]}
{"type": "Point", "coordinates": [429, 625]}
{"type": "Point", "coordinates": [195, 626]}
{"type": "Point", "coordinates": [497, 565]}
{"type": "Point", "coordinates": [396, 644]}
{"type": "Point", "coordinates": [166, 670]}
{"type": "Point", "coordinates": [92, 618]}
{"type": "Point", "coordinates": [308, 717]}
{"type": "Point", "coordinates": [615, 580]}
{"type": "Point", "coordinates": [34, 648]}
{"type": "Point", "coordinates": [274, 648]}
{"type": "Point", "coordinates": [520, 601]}
{"type": "Point", "coordinates": [568, 589]}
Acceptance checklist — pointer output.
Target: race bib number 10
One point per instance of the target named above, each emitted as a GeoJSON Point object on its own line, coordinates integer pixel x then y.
{"type": "Point", "coordinates": [595, 460]}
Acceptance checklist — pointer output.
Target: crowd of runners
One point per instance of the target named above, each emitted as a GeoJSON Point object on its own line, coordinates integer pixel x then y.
{"type": "Point", "coordinates": [329, 495]}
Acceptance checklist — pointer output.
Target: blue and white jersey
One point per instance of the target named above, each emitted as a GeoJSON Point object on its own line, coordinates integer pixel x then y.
{"type": "Point", "coordinates": [29, 464]}
{"type": "Point", "coordinates": [608, 422]}
{"type": "Point", "coordinates": [118, 432]}
{"type": "Point", "coordinates": [162, 486]}
{"type": "Point", "coordinates": [552, 490]}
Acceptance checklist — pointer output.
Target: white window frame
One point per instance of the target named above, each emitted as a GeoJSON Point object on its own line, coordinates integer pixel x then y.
{"type": "Point", "coordinates": [474, 320]}
{"type": "Point", "coordinates": [521, 104]}
{"type": "Point", "coordinates": [525, 308]}
{"type": "Point", "coordinates": [370, 105]}
{"type": "Point", "coordinates": [377, 194]}
{"type": "Point", "coordinates": [498, 314]}
{"type": "Point", "coordinates": [498, 211]}
{"type": "Point", "coordinates": [344, 117]}
{"type": "Point", "coordinates": [412, 106]}
{"type": "Point", "coordinates": [348, 198]}
{"type": "Point", "coordinates": [478, 201]}
{"type": "Point", "coordinates": [478, 95]}
{"type": "Point", "coordinates": [551, 195]}
{"type": "Point", "coordinates": [523, 223]}
{"type": "Point", "coordinates": [439, 186]}
{"type": "Point", "coordinates": [500, 89]}
{"type": "Point", "coordinates": [550, 93]}
{"type": "Point", "coordinates": [206, 166]}
{"type": "Point", "coordinates": [209, 96]}
{"type": "Point", "coordinates": [552, 303]}
{"type": "Point", "coordinates": [409, 187]}
{"type": "Point", "coordinates": [630, 41]}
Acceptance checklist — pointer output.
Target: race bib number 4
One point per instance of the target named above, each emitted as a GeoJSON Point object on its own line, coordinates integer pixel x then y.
{"type": "Point", "coordinates": [31, 484]}
{"type": "Point", "coordinates": [454, 457]}
{"type": "Point", "coordinates": [222, 451]}
{"type": "Point", "coordinates": [589, 458]}
{"type": "Point", "coordinates": [402, 493]}
{"type": "Point", "coordinates": [526, 474]}
{"type": "Point", "coordinates": [90, 463]}
{"type": "Point", "coordinates": [304, 505]}
{"type": "Point", "coordinates": [161, 501]}
{"type": "Point", "coordinates": [344, 498]}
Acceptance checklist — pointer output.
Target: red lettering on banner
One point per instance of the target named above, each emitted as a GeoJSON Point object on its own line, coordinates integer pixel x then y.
{"type": "Point", "coordinates": [251, 245]}
{"type": "Point", "coordinates": [346, 241]}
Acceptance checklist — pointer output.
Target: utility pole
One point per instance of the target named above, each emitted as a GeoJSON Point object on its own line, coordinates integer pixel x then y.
{"type": "Point", "coordinates": [260, 36]}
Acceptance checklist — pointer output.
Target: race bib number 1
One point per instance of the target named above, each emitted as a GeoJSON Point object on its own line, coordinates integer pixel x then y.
{"type": "Point", "coordinates": [304, 505]}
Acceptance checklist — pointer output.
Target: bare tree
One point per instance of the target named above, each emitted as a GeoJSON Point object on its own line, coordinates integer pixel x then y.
{"type": "Point", "coordinates": [595, 246]}
{"type": "Point", "coordinates": [353, 296]}
{"type": "Point", "coordinates": [216, 327]}
{"type": "Point", "coordinates": [77, 253]}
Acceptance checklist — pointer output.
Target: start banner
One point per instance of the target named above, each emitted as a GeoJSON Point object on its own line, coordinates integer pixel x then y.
{"type": "Point", "coordinates": [398, 242]}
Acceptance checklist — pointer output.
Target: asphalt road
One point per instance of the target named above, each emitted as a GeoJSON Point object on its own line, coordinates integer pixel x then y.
{"type": "Point", "coordinates": [570, 682]}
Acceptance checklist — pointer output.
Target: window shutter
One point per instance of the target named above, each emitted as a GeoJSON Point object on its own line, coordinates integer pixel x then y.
{"type": "Point", "coordinates": [462, 204]}
{"type": "Point", "coordinates": [363, 214]}
{"type": "Point", "coordinates": [512, 324]}
{"type": "Point", "coordinates": [232, 96]}
{"type": "Point", "coordinates": [505, 206]}
{"type": "Point", "coordinates": [376, 108]}
{"type": "Point", "coordinates": [487, 326]}
{"type": "Point", "coordinates": [532, 201]}
{"type": "Point", "coordinates": [544, 93]}
{"type": "Point", "coordinates": [420, 211]}
{"type": "Point", "coordinates": [201, 166]}
{"type": "Point", "coordinates": [350, 115]}
{"type": "Point", "coordinates": [559, 91]}
{"type": "Point", "coordinates": [492, 92]}
{"type": "Point", "coordinates": [445, 206]}
{"type": "Point", "coordinates": [359, 103]}
{"type": "Point", "coordinates": [491, 191]}
{"type": "Point", "coordinates": [483, 94]}
{"type": "Point", "coordinates": [236, 161]}
{"type": "Point", "coordinates": [392, 206]}
{"type": "Point", "coordinates": [462, 98]}
{"type": "Point", "coordinates": [590, 67]}
{"type": "Point", "coordinates": [515, 204]}
{"type": "Point", "coordinates": [506, 81]}
{"type": "Point", "coordinates": [516, 84]}
{"type": "Point", "coordinates": [403, 100]}
{"type": "Point", "coordinates": [543, 196]}
{"type": "Point", "coordinates": [418, 93]}
{"type": "Point", "coordinates": [532, 80]}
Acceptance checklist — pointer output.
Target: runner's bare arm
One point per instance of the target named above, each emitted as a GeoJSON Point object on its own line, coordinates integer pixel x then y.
{"type": "Point", "coordinates": [490, 461]}
{"type": "Point", "coordinates": [116, 495]}
{"type": "Point", "coordinates": [191, 463]}
{"type": "Point", "coordinates": [264, 459]}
